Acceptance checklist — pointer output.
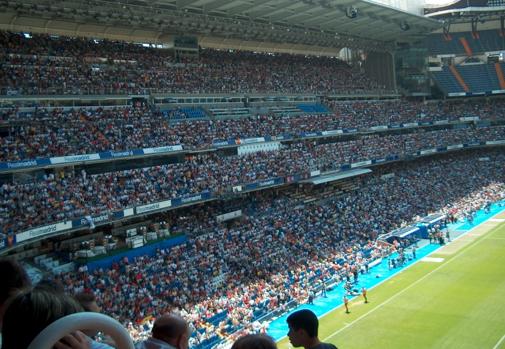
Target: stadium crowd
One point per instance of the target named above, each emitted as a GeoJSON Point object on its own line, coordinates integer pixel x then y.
{"type": "Point", "coordinates": [66, 195]}
{"type": "Point", "coordinates": [283, 248]}
{"type": "Point", "coordinates": [228, 276]}
{"type": "Point", "coordinates": [45, 64]}
{"type": "Point", "coordinates": [46, 133]}
{"type": "Point", "coordinates": [367, 114]}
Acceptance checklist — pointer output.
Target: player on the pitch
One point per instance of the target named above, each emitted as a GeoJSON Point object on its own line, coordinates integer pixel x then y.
{"type": "Point", "coordinates": [363, 292]}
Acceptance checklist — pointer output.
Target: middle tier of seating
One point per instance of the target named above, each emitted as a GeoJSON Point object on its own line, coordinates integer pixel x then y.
{"type": "Point", "coordinates": [66, 195]}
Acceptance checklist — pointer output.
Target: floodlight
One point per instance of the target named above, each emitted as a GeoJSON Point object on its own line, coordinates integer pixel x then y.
{"type": "Point", "coordinates": [351, 12]}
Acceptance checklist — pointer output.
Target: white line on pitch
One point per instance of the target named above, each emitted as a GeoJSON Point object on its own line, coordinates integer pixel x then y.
{"type": "Point", "coordinates": [499, 342]}
{"type": "Point", "coordinates": [405, 289]}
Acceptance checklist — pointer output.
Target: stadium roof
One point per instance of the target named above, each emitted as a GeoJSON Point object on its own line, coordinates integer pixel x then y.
{"type": "Point", "coordinates": [324, 23]}
{"type": "Point", "coordinates": [465, 10]}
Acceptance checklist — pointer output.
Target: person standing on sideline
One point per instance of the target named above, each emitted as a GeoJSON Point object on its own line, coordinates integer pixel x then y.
{"type": "Point", "coordinates": [363, 292]}
{"type": "Point", "coordinates": [414, 252]}
{"type": "Point", "coordinates": [311, 297]}
{"type": "Point", "coordinates": [303, 331]}
{"type": "Point", "coordinates": [323, 290]}
{"type": "Point", "coordinates": [346, 304]}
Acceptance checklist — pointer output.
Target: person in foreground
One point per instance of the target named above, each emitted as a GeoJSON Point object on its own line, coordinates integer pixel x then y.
{"type": "Point", "coordinates": [303, 330]}
{"type": "Point", "coordinates": [31, 310]}
{"type": "Point", "coordinates": [254, 341]}
{"type": "Point", "coordinates": [14, 278]}
{"type": "Point", "coordinates": [170, 331]}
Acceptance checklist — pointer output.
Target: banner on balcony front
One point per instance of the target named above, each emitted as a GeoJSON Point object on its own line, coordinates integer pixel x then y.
{"type": "Point", "coordinates": [361, 163]}
{"type": "Point", "coordinates": [14, 165]}
{"type": "Point", "coordinates": [153, 207]}
{"type": "Point", "coordinates": [158, 150]}
{"type": "Point", "coordinates": [45, 230]}
{"type": "Point", "coordinates": [74, 158]}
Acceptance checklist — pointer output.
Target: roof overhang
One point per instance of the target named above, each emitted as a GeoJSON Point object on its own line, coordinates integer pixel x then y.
{"type": "Point", "coordinates": [467, 14]}
{"type": "Point", "coordinates": [324, 23]}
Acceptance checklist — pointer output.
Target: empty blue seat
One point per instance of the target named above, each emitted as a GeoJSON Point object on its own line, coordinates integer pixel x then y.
{"type": "Point", "coordinates": [312, 108]}
{"type": "Point", "coordinates": [487, 40]}
{"type": "Point", "coordinates": [446, 81]}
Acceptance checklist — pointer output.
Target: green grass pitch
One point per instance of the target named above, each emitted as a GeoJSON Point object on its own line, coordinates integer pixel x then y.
{"type": "Point", "coordinates": [455, 303]}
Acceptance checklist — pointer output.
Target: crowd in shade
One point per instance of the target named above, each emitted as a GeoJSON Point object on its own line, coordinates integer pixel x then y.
{"type": "Point", "coordinates": [45, 64]}
{"type": "Point", "coordinates": [367, 114]}
{"type": "Point", "coordinates": [282, 247]}
{"type": "Point", "coordinates": [64, 195]}
{"type": "Point", "coordinates": [44, 133]}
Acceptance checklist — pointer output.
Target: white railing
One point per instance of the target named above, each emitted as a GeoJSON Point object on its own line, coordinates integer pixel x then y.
{"type": "Point", "coordinates": [82, 321]}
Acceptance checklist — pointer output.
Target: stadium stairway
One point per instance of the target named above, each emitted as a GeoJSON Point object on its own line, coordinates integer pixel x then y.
{"type": "Point", "coordinates": [499, 74]}
{"type": "Point", "coordinates": [466, 46]}
{"type": "Point", "coordinates": [53, 265]}
{"type": "Point", "coordinates": [458, 77]}
{"type": "Point", "coordinates": [34, 273]}
{"type": "Point", "coordinates": [207, 112]}
{"type": "Point", "coordinates": [446, 80]}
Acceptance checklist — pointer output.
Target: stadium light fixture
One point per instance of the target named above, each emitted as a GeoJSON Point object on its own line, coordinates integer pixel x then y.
{"type": "Point", "coordinates": [351, 12]}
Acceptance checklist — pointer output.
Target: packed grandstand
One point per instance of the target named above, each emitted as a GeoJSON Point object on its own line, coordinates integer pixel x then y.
{"type": "Point", "coordinates": [232, 212]}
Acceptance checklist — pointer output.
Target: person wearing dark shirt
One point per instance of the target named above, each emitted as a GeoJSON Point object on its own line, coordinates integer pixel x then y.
{"type": "Point", "coordinates": [14, 278]}
{"type": "Point", "coordinates": [303, 331]}
{"type": "Point", "coordinates": [311, 297]}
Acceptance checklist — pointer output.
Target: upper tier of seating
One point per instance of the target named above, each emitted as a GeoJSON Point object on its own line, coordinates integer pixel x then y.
{"type": "Point", "coordinates": [479, 77]}
{"type": "Point", "coordinates": [472, 78]}
{"type": "Point", "coordinates": [487, 41]}
{"type": "Point", "coordinates": [447, 81]}
{"type": "Point", "coordinates": [44, 64]}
